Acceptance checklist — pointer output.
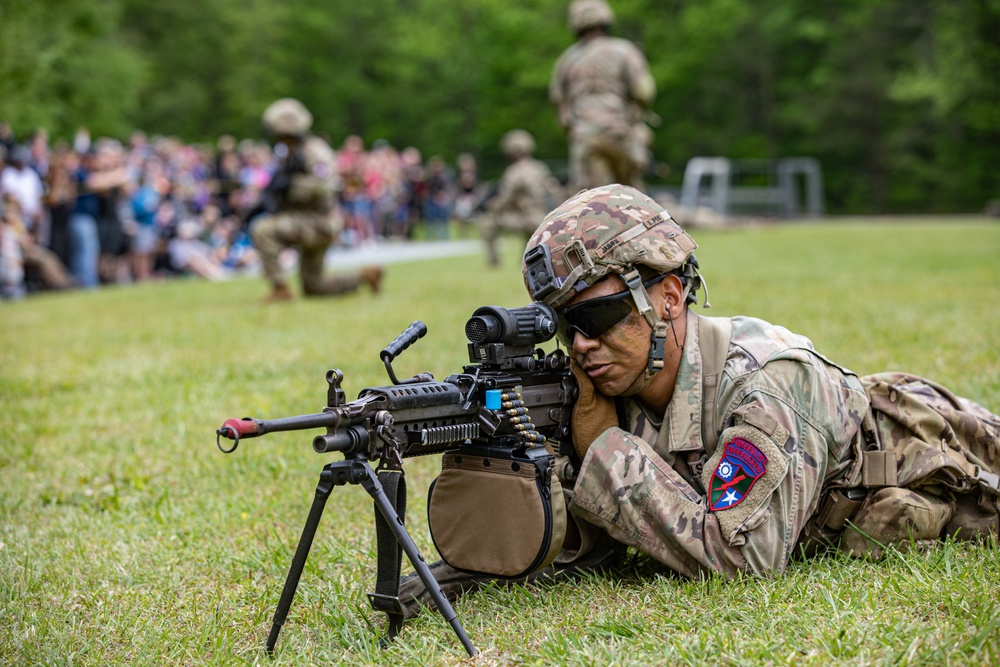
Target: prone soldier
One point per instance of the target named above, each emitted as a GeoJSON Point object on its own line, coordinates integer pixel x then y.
{"type": "Point", "coordinates": [300, 208]}
{"type": "Point", "coordinates": [731, 445]}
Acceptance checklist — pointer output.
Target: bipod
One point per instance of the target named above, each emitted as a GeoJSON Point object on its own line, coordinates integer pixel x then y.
{"type": "Point", "coordinates": [357, 471]}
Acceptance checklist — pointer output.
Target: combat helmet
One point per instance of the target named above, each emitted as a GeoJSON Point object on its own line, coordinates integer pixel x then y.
{"type": "Point", "coordinates": [612, 229]}
{"type": "Point", "coordinates": [287, 117]}
{"type": "Point", "coordinates": [517, 142]}
{"type": "Point", "coordinates": [584, 14]}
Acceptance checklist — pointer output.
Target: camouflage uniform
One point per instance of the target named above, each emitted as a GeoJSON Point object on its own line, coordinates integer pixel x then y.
{"type": "Point", "coordinates": [600, 86]}
{"type": "Point", "coordinates": [766, 447]}
{"type": "Point", "coordinates": [650, 486]}
{"type": "Point", "coordinates": [306, 216]}
{"type": "Point", "coordinates": [522, 200]}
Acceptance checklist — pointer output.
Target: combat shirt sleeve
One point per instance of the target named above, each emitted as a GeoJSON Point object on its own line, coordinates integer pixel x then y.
{"type": "Point", "coordinates": [628, 489]}
{"type": "Point", "coordinates": [642, 85]}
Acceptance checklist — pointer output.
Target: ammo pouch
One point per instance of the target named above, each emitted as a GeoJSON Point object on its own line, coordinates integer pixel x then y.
{"type": "Point", "coordinates": [497, 513]}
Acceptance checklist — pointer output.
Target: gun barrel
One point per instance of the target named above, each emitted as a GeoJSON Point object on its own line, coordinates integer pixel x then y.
{"type": "Point", "coordinates": [300, 422]}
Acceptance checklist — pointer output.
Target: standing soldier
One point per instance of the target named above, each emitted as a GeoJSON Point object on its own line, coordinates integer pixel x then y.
{"type": "Point", "coordinates": [522, 197]}
{"type": "Point", "coordinates": [601, 86]}
{"type": "Point", "coordinates": [300, 208]}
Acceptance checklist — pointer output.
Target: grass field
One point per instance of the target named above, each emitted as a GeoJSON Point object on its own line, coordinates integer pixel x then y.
{"type": "Point", "coordinates": [127, 538]}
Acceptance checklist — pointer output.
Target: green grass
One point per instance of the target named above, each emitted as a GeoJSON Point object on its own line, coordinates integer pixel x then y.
{"type": "Point", "coordinates": [126, 538]}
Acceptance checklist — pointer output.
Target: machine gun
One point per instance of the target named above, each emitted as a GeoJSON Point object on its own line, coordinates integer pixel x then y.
{"type": "Point", "coordinates": [512, 398]}
{"type": "Point", "coordinates": [275, 194]}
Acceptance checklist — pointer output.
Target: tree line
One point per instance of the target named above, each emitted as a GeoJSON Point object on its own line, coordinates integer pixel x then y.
{"type": "Point", "coordinates": [899, 99]}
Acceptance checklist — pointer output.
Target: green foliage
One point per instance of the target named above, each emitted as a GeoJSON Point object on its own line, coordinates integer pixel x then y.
{"type": "Point", "coordinates": [899, 99]}
{"type": "Point", "coordinates": [126, 538]}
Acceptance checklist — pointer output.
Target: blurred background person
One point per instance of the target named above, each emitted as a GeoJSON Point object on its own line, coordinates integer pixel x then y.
{"type": "Point", "coordinates": [110, 182]}
{"type": "Point", "coordinates": [468, 191]}
{"type": "Point", "coordinates": [301, 211]}
{"type": "Point", "coordinates": [525, 194]}
{"type": "Point", "coordinates": [440, 194]}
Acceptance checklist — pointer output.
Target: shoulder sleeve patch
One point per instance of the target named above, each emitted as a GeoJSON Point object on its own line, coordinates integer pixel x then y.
{"type": "Point", "coordinates": [742, 474]}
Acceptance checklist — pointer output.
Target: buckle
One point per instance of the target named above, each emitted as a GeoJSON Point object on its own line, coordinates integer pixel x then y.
{"type": "Point", "coordinates": [988, 480]}
{"type": "Point", "coordinates": [390, 604]}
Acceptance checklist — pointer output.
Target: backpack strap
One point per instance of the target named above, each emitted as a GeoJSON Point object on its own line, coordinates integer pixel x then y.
{"type": "Point", "coordinates": [714, 336]}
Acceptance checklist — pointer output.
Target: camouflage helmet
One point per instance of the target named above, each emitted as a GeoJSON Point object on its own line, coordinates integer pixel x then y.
{"type": "Point", "coordinates": [287, 117]}
{"type": "Point", "coordinates": [609, 229]}
{"type": "Point", "coordinates": [517, 142]}
{"type": "Point", "coordinates": [584, 14]}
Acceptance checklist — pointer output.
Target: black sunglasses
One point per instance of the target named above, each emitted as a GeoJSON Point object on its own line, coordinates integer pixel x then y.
{"type": "Point", "coordinates": [594, 317]}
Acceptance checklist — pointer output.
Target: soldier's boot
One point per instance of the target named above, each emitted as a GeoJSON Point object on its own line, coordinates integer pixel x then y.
{"type": "Point", "coordinates": [278, 294]}
{"type": "Point", "coordinates": [372, 276]}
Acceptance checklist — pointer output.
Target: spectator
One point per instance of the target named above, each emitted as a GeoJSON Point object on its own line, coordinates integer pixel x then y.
{"type": "Point", "coordinates": [468, 192]}
{"type": "Point", "coordinates": [110, 182]}
{"type": "Point", "coordinates": [39, 147]}
{"type": "Point", "coordinates": [385, 186]}
{"type": "Point", "coordinates": [84, 242]}
{"type": "Point", "coordinates": [231, 245]}
{"type": "Point", "coordinates": [24, 184]}
{"type": "Point", "coordinates": [356, 205]}
{"type": "Point", "coordinates": [145, 202]}
{"type": "Point", "coordinates": [189, 254]}
{"type": "Point", "coordinates": [7, 138]}
{"type": "Point", "coordinates": [226, 174]}
{"type": "Point", "coordinates": [413, 196]}
{"type": "Point", "coordinates": [41, 269]}
{"type": "Point", "coordinates": [440, 194]}
{"type": "Point", "coordinates": [60, 200]}
{"type": "Point", "coordinates": [11, 260]}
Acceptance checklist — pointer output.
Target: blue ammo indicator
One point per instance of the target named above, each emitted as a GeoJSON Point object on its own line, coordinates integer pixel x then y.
{"type": "Point", "coordinates": [492, 399]}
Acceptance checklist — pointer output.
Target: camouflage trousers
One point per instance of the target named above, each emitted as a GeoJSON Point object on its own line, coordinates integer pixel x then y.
{"type": "Point", "coordinates": [597, 159]}
{"type": "Point", "coordinates": [310, 232]}
{"type": "Point", "coordinates": [492, 223]}
{"type": "Point", "coordinates": [947, 452]}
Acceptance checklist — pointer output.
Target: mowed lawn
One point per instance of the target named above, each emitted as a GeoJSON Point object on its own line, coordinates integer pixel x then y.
{"type": "Point", "coordinates": [127, 538]}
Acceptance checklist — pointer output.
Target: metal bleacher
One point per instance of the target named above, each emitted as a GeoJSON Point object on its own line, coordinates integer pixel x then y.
{"type": "Point", "coordinates": [773, 188]}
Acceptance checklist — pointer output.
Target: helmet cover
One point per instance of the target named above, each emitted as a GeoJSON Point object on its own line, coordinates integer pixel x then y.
{"type": "Point", "coordinates": [288, 117]}
{"type": "Point", "coordinates": [517, 142]}
{"type": "Point", "coordinates": [584, 14]}
{"type": "Point", "coordinates": [597, 232]}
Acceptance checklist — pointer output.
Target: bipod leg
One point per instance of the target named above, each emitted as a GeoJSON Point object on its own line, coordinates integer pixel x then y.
{"type": "Point", "coordinates": [362, 473]}
{"type": "Point", "coordinates": [334, 474]}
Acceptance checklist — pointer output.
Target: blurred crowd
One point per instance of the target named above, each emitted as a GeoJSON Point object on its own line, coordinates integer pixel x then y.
{"type": "Point", "coordinates": [95, 212]}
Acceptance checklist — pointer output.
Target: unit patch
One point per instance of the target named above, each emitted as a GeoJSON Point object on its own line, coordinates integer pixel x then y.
{"type": "Point", "coordinates": [741, 466]}
{"type": "Point", "coordinates": [742, 474]}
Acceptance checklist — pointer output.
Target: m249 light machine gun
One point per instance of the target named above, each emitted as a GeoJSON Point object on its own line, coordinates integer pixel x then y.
{"type": "Point", "coordinates": [510, 402]}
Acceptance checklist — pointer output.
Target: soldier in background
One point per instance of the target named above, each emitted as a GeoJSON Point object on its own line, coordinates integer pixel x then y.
{"type": "Point", "coordinates": [601, 87]}
{"type": "Point", "coordinates": [523, 195]}
{"type": "Point", "coordinates": [300, 208]}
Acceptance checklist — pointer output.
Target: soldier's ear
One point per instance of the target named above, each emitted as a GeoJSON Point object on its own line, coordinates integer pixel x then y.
{"type": "Point", "coordinates": [672, 291]}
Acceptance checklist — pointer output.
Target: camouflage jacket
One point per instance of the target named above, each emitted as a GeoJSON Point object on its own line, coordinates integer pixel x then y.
{"type": "Point", "coordinates": [601, 84]}
{"type": "Point", "coordinates": [313, 178]}
{"type": "Point", "coordinates": [523, 189]}
{"type": "Point", "coordinates": [787, 422]}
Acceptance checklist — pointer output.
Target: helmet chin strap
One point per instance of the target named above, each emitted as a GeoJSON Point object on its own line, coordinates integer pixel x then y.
{"type": "Point", "coordinates": [659, 326]}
